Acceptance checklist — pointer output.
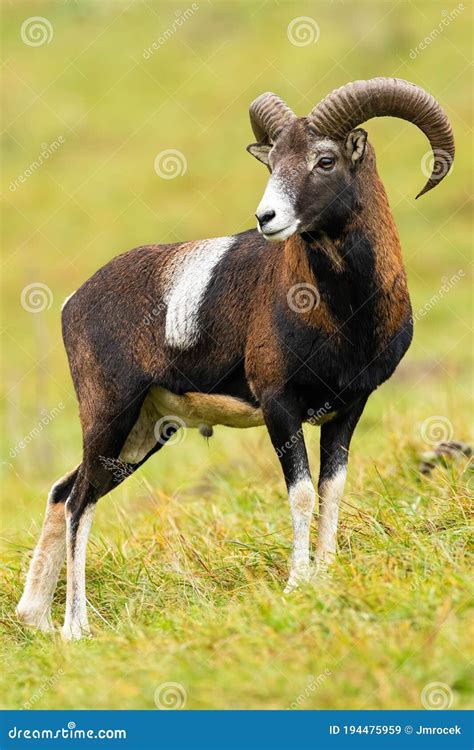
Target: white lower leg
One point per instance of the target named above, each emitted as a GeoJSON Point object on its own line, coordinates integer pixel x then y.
{"type": "Point", "coordinates": [331, 491]}
{"type": "Point", "coordinates": [302, 497]}
{"type": "Point", "coordinates": [34, 607]}
{"type": "Point", "coordinates": [75, 623]}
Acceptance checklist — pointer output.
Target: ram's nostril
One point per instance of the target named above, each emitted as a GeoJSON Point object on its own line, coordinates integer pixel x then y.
{"type": "Point", "coordinates": [265, 217]}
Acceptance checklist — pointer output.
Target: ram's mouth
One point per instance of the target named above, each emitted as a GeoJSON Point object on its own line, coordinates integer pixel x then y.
{"type": "Point", "coordinates": [280, 234]}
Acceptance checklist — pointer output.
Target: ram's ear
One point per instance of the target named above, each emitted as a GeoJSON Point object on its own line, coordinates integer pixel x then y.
{"type": "Point", "coordinates": [260, 151]}
{"type": "Point", "coordinates": [355, 145]}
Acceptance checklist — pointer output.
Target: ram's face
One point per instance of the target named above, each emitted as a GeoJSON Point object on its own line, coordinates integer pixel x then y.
{"type": "Point", "coordinates": [311, 182]}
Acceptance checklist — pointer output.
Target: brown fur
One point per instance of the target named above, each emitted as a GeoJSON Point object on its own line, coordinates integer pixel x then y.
{"type": "Point", "coordinates": [297, 270]}
{"type": "Point", "coordinates": [376, 220]}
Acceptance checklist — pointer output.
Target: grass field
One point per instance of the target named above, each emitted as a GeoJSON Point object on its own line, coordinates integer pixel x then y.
{"type": "Point", "coordinates": [187, 560]}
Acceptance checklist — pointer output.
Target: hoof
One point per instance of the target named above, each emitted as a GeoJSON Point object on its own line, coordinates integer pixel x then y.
{"type": "Point", "coordinates": [321, 567]}
{"type": "Point", "coordinates": [75, 631]}
{"type": "Point", "coordinates": [33, 618]}
{"type": "Point", "coordinates": [298, 577]}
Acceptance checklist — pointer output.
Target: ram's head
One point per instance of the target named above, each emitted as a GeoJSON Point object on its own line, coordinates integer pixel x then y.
{"type": "Point", "coordinates": [315, 160]}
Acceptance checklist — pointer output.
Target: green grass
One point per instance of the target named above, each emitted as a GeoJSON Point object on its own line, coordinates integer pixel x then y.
{"type": "Point", "coordinates": [187, 560]}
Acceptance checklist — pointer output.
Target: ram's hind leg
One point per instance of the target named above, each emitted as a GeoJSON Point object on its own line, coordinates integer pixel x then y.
{"type": "Point", "coordinates": [101, 471]}
{"type": "Point", "coordinates": [34, 607]}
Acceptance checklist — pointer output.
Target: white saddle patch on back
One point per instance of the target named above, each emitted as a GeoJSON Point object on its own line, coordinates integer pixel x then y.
{"type": "Point", "coordinates": [184, 296]}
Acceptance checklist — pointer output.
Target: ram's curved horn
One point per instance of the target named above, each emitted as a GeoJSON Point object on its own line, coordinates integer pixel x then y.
{"type": "Point", "coordinates": [356, 102]}
{"type": "Point", "coordinates": [268, 116]}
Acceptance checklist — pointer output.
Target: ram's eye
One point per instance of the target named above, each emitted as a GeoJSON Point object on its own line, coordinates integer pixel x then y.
{"type": "Point", "coordinates": [326, 162]}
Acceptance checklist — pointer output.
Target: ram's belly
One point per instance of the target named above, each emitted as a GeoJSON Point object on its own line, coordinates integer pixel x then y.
{"type": "Point", "coordinates": [162, 409]}
{"type": "Point", "coordinates": [200, 410]}
{"type": "Point", "coordinates": [196, 409]}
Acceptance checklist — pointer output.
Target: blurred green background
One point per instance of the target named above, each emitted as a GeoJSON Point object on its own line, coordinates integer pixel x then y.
{"type": "Point", "coordinates": [84, 81]}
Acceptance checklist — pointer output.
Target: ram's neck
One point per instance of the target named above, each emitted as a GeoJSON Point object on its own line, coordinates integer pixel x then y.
{"type": "Point", "coordinates": [373, 219]}
{"type": "Point", "coordinates": [358, 273]}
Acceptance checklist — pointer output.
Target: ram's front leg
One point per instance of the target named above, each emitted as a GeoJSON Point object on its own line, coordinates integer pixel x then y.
{"type": "Point", "coordinates": [335, 441]}
{"type": "Point", "coordinates": [286, 433]}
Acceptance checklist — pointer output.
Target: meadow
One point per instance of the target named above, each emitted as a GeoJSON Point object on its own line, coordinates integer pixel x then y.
{"type": "Point", "coordinates": [188, 558]}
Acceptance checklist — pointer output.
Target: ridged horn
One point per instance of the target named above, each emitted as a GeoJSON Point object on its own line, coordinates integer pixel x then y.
{"type": "Point", "coordinates": [351, 105]}
{"type": "Point", "coordinates": [268, 116]}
